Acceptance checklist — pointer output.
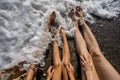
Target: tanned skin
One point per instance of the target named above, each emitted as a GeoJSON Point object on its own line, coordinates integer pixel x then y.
{"type": "Point", "coordinates": [87, 74]}
{"type": "Point", "coordinates": [70, 71]}
{"type": "Point", "coordinates": [59, 66]}
{"type": "Point", "coordinates": [65, 54]}
{"type": "Point", "coordinates": [104, 69]}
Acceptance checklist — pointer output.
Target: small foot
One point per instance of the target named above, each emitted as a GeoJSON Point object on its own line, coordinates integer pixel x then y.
{"type": "Point", "coordinates": [72, 14]}
{"type": "Point", "coordinates": [51, 19]}
{"type": "Point", "coordinates": [79, 11]}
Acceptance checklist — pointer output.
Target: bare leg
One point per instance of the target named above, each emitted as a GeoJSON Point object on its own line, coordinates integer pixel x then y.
{"type": "Point", "coordinates": [66, 55]}
{"type": "Point", "coordinates": [56, 62]}
{"type": "Point", "coordinates": [104, 69]}
{"type": "Point", "coordinates": [56, 57]}
{"type": "Point", "coordinates": [83, 74]}
{"type": "Point", "coordinates": [82, 49]}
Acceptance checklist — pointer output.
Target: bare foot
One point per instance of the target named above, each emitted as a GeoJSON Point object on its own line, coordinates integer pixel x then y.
{"type": "Point", "coordinates": [72, 14]}
{"type": "Point", "coordinates": [73, 17]}
{"type": "Point", "coordinates": [66, 54]}
{"type": "Point", "coordinates": [79, 11]}
{"type": "Point", "coordinates": [51, 19]}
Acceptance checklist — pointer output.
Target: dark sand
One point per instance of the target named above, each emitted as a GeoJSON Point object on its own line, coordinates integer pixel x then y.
{"type": "Point", "coordinates": [107, 33]}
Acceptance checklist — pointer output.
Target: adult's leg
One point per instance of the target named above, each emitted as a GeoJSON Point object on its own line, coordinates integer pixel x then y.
{"type": "Point", "coordinates": [83, 52]}
{"type": "Point", "coordinates": [104, 69]}
{"type": "Point", "coordinates": [82, 49]}
{"type": "Point", "coordinates": [66, 55]}
{"type": "Point", "coordinates": [56, 62]}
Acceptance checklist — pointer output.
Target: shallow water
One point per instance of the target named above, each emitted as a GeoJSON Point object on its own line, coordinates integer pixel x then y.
{"type": "Point", "coordinates": [23, 35]}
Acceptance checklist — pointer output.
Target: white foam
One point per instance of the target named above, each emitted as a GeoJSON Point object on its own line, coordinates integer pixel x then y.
{"type": "Point", "coordinates": [23, 24]}
{"type": "Point", "coordinates": [101, 8]}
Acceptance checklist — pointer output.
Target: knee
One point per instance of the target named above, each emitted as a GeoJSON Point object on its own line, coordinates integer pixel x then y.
{"type": "Point", "coordinates": [65, 62]}
{"type": "Point", "coordinates": [95, 52]}
{"type": "Point", "coordinates": [85, 54]}
{"type": "Point", "coordinates": [57, 63]}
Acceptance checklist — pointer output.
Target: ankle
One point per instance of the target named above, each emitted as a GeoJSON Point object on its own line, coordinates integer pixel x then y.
{"type": "Point", "coordinates": [83, 23]}
{"type": "Point", "coordinates": [76, 30]}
